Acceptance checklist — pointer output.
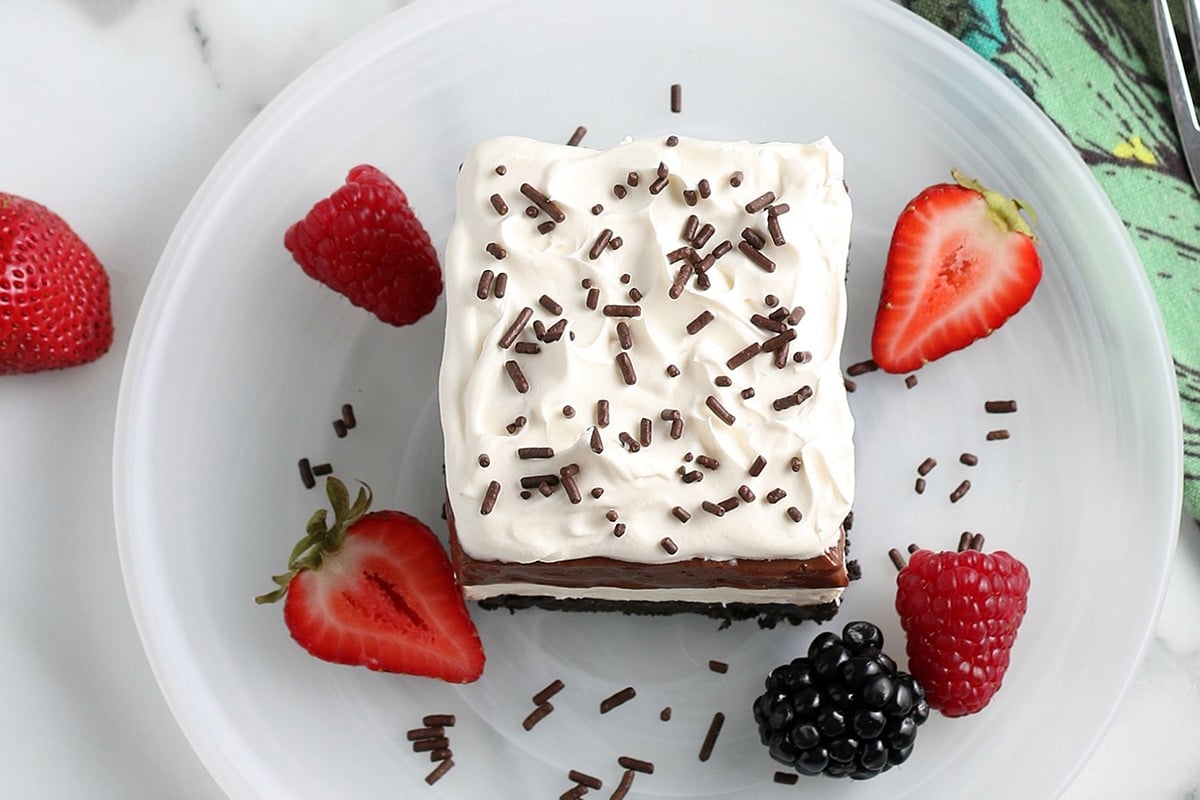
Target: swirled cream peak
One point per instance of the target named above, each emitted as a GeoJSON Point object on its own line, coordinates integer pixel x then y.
{"type": "Point", "coordinates": [642, 351]}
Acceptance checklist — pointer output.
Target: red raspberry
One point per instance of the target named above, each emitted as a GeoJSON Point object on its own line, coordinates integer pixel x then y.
{"type": "Point", "coordinates": [364, 242]}
{"type": "Point", "coordinates": [961, 611]}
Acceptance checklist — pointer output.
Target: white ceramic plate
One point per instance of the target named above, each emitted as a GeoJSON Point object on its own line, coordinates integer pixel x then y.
{"type": "Point", "coordinates": [239, 363]}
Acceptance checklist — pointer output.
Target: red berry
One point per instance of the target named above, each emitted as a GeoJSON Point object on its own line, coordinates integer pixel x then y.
{"type": "Point", "coordinates": [961, 262]}
{"type": "Point", "coordinates": [377, 590]}
{"type": "Point", "coordinates": [55, 309]}
{"type": "Point", "coordinates": [961, 611]}
{"type": "Point", "coordinates": [364, 242]}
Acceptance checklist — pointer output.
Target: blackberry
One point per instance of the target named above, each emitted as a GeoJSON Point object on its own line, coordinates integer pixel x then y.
{"type": "Point", "coordinates": [843, 710]}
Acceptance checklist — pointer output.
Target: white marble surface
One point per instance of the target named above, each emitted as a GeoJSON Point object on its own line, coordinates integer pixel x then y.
{"type": "Point", "coordinates": [114, 111]}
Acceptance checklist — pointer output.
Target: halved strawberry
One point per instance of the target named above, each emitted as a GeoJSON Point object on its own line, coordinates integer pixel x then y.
{"type": "Point", "coordinates": [962, 261]}
{"type": "Point", "coordinates": [377, 590]}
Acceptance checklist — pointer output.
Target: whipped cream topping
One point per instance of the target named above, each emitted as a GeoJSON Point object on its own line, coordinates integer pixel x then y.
{"type": "Point", "coordinates": [625, 374]}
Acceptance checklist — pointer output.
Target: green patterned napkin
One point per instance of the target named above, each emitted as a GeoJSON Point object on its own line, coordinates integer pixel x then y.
{"type": "Point", "coordinates": [1094, 67]}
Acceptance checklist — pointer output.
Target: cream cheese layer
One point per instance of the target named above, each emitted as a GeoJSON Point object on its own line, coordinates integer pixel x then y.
{"type": "Point", "coordinates": [642, 351]}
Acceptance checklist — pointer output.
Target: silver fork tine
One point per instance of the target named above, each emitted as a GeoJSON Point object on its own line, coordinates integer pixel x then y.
{"type": "Point", "coordinates": [1177, 82]}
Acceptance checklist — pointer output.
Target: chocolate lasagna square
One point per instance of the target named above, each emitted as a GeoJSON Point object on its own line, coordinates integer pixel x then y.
{"type": "Point", "coordinates": [641, 394]}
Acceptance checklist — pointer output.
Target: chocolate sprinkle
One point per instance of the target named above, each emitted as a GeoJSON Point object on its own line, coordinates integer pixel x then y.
{"type": "Point", "coordinates": [543, 202]}
{"type": "Point", "coordinates": [703, 235]}
{"type": "Point", "coordinates": [534, 481]}
{"type": "Point", "coordinates": [777, 342]}
{"type": "Point", "coordinates": [501, 169]}
{"type": "Point", "coordinates": [484, 460]}
{"type": "Point", "coordinates": [500, 285]}
{"type": "Point", "coordinates": [702, 319]}
{"type": "Point", "coordinates": [919, 486]}
{"type": "Point", "coordinates": [926, 466]}
{"type": "Point", "coordinates": [681, 513]}
{"type": "Point", "coordinates": [795, 514]}
{"type": "Point", "coordinates": [619, 530]}
{"type": "Point", "coordinates": [775, 231]}
{"type": "Point", "coordinates": [720, 667]}
{"type": "Point", "coordinates": [597, 443]}
{"type": "Point", "coordinates": [722, 413]}
{"type": "Point", "coordinates": [443, 720]}
{"type": "Point", "coordinates": [677, 428]}
{"type": "Point", "coordinates": [545, 227]}
{"type": "Point", "coordinates": [320, 470]}
{"type": "Point", "coordinates": [645, 431]}
{"type": "Point", "coordinates": [748, 392]}
{"type": "Point", "coordinates": [710, 738]}
{"type": "Point", "coordinates": [970, 459]}
{"type": "Point", "coordinates": [787, 778]}
{"type": "Point", "coordinates": [669, 545]}
{"type": "Point", "coordinates": [960, 491]}
{"type": "Point", "coordinates": [630, 443]}
{"type": "Point", "coordinates": [665, 714]}
{"type": "Point", "coordinates": [672, 140]}
{"type": "Point", "coordinates": [551, 689]}
{"type": "Point", "coordinates": [527, 348]}
{"type": "Point", "coordinates": [757, 467]}
{"type": "Point", "coordinates": [602, 413]}
{"type": "Point", "coordinates": [428, 732]}
{"type": "Point", "coordinates": [713, 508]}
{"type": "Point", "coordinates": [636, 764]}
{"type": "Point", "coordinates": [690, 197]}
{"type": "Point", "coordinates": [1000, 406]}
{"type": "Point", "coordinates": [775, 495]}
{"type": "Point", "coordinates": [612, 310]}
{"type": "Point", "coordinates": [537, 715]}
{"type": "Point", "coordinates": [728, 504]}
{"type": "Point", "coordinates": [723, 381]}
{"type": "Point", "coordinates": [632, 179]}
{"type": "Point", "coordinates": [518, 377]}
{"type": "Point", "coordinates": [757, 257]}
{"type": "Point", "coordinates": [796, 315]}
{"type": "Point", "coordinates": [624, 786]}
{"type": "Point", "coordinates": [673, 370]}
{"type": "Point", "coordinates": [746, 493]}
{"type": "Point", "coordinates": [585, 779]}
{"type": "Point", "coordinates": [620, 191]}
{"type": "Point", "coordinates": [499, 204]}
{"type": "Point", "coordinates": [659, 184]}
{"type": "Point", "coordinates": [535, 452]}
{"type": "Point", "coordinates": [596, 209]}
{"type": "Point", "coordinates": [424, 745]}
{"type": "Point", "coordinates": [593, 298]}
{"type": "Point", "coordinates": [910, 381]}
{"type": "Point", "coordinates": [708, 462]}
{"type": "Point", "coordinates": [735, 180]}
{"type": "Point", "coordinates": [614, 700]}
{"type": "Point", "coordinates": [689, 228]}
{"type": "Point", "coordinates": [548, 303]}
{"type": "Point", "coordinates": [676, 98]}
{"type": "Point", "coordinates": [681, 279]}
{"type": "Point", "coordinates": [753, 238]}
{"type": "Point", "coordinates": [577, 136]}
{"type": "Point", "coordinates": [515, 329]}
{"type": "Point", "coordinates": [442, 768]}
{"type": "Point", "coordinates": [997, 435]}
{"type": "Point", "coordinates": [693, 476]}
{"type": "Point", "coordinates": [768, 324]}
{"type": "Point", "coordinates": [568, 482]}
{"type": "Point", "coordinates": [496, 251]}
{"type": "Point", "coordinates": [705, 188]}
{"type": "Point", "coordinates": [861, 368]}
{"type": "Point", "coordinates": [600, 243]}
{"type": "Point", "coordinates": [306, 476]}
{"type": "Point", "coordinates": [484, 287]}
{"type": "Point", "coordinates": [626, 367]}
{"type": "Point", "coordinates": [489, 498]}
{"type": "Point", "coordinates": [742, 356]}
{"type": "Point", "coordinates": [759, 203]}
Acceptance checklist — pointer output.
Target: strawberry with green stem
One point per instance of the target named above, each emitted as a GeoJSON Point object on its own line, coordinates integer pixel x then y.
{"type": "Point", "coordinates": [962, 261]}
{"type": "Point", "coordinates": [376, 589]}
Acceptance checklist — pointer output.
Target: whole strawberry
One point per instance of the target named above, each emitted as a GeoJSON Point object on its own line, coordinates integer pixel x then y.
{"type": "Point", "coordinates": [962, 261]}
{"type": "Point", "coordinates": [364, 242]}
{"type": "Point", "coordinates": [377, 590]}
{"type": "Point", "coordinates": [961, 611]}
{"type": "Point", "coordinates": [55, 309]}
